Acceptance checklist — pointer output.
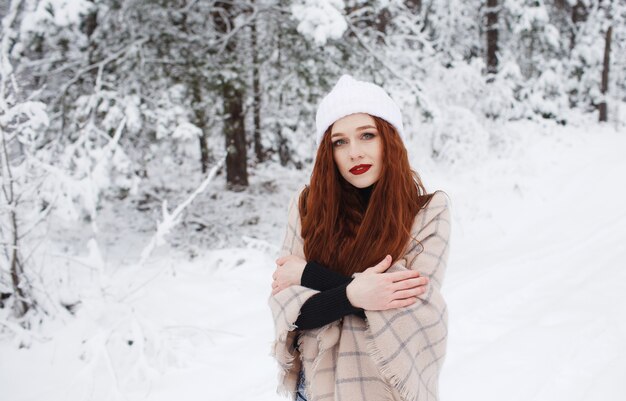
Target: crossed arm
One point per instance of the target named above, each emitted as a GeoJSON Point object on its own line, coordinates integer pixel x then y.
{"type": "Point", "coordinates": [341, 295]}
{"type": "Point", "coordinates": [375, 289]}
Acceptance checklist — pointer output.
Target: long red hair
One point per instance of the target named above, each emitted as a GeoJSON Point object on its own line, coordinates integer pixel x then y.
{"type": "Point", "coordinates": [343, 233]}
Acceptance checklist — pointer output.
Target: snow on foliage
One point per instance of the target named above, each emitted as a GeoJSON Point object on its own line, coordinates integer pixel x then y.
{"type": "Point", "coordinates": [320, 20]}
{"type": "Point", "coordinates": [458, 137]}
{"type": "Point", "coordinates": [32, 119]}
{"type": "Point", "coordinates": [171, 115]}
{"type": "Point", "coordinates": [57, 12]}
{"type": "Point", "coordinates": [186, 131]}
{"type": "Point", "coordinates": [132, 113]}
{"type": "Point", "coordinates": [502, 97]}
{"type": "Point", "coordinates": [548, 97]}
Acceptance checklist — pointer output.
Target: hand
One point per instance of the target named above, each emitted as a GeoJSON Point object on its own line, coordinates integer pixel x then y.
{"type": "Point", "coordinates": [288, 272]}
{"type": "Point", "coordinates": [376, 290]}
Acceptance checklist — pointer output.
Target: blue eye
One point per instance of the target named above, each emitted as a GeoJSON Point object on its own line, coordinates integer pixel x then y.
{"type": "Point", "coordinates": [365, 136]}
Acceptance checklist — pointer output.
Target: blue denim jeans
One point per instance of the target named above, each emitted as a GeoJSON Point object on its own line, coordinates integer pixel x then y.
{"type": "Point", "coordinates": [300, 391]}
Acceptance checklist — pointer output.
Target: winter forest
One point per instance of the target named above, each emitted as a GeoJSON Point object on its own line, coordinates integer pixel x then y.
{"type": "Point", "coordinates": [149, 149]}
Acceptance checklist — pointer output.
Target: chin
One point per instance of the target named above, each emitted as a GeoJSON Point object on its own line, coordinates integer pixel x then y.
{"type": "Point", "coordinates": [360, 183]}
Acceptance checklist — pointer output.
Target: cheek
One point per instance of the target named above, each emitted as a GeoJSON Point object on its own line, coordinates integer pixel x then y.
{"type": "Point", "coordinates": [376, 152]}
{"type": "Point", "coordinates": [339, 160]}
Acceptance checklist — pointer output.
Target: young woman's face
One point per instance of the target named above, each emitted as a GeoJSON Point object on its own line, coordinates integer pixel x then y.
{"type": "Point", "coordinates": [357, 149]}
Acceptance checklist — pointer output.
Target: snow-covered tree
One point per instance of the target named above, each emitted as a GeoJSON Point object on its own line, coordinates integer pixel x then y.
{"type": "Point", "coordinates": [22, 123]}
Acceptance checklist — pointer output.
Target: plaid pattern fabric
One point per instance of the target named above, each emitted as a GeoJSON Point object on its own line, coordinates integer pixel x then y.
{"type": "Point", "coordinates": [393, 355]}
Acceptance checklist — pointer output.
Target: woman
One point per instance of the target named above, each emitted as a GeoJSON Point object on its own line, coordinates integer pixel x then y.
{"type": "Point", "coordinates": [356, 296]}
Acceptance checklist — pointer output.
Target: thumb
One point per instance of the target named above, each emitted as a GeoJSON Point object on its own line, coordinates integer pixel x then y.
{"type": "Point", "coordinates": [383, 265]}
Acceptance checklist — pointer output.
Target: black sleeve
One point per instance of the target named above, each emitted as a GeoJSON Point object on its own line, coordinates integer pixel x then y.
{"type": "Point", "coordinates": [321, 278]}
{"type": "Point", "coordinates": [325, 307]}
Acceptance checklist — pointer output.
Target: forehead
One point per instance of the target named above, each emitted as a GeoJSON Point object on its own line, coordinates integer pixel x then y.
{"type": "Point", "coordinates": [351, 122]}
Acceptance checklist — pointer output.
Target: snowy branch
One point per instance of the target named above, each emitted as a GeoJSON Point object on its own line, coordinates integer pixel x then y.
{"type": "Point", "coordinates": [6, 69]}
{"type": "Point", "coordinates": [411, 84]}
{"type": "Point", "coordinates": [100, 65]}
{"type": "Point", "coordinates": [170, 220]}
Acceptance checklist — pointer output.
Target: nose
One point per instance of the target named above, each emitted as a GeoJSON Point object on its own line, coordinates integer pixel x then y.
{"type": "Point", "coordinates": [355, 151]}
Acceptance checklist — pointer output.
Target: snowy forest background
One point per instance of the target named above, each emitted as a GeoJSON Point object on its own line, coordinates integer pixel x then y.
{"type": "Point", "coordinates": [149, 149]}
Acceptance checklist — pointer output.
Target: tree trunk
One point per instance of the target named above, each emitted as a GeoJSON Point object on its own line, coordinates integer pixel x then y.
{"type": "Point", "coordinates": [579, 14]}
{"type": "Point", "coordinates": [605, 75]}
{"type": "Point", "coordinates": [89, 23]}
{"type": "Point", "coordinates": [382, 21]}
{"type": "Point", "coordinates": [235, 135]}
{"type": "Point", "coordinates": [200, 122]}
{"type": "Point", "coordinates": [282, 146]}
{"type": "Point", "coordinates": [205, 157]}
{"type": "Point", "coordinates": [233, 98]}
{"type": "Point", "coordinates": [492, 36]}
{"type": "Point", "coordinates": [259, 152]}
{"type": "Point", "coordinates": [20, 306]}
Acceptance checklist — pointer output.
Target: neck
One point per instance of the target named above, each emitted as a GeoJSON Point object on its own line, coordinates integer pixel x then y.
{"type": "Point", "coordinates": [365, 193]}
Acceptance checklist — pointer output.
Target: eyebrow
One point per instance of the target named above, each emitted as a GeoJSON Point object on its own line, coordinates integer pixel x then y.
{"type": "Point", "coordinates": [358, 129]}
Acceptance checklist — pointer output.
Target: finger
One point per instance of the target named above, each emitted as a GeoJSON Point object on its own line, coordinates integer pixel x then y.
{"type": "Point", "coordinates": [410, 283]}
{"type": "Point", "coordinates": [403, 275]}
{"type": "Point", "coordinates": [401, 303]}
{"type": "Point", "coordinates": [383, 265]}
{"type": "Point", "coordinates": [411, 293]}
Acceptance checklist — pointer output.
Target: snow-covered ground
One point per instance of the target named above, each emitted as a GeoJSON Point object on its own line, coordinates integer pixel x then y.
{"type": "Point", "coordinates": [535, 287]}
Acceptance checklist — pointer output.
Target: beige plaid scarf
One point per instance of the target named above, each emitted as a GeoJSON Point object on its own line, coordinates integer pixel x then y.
{"type": "Point", "coordinates": [393, 355]}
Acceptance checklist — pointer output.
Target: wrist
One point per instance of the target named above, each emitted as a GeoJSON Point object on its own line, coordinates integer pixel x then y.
{"type": "Point", "coordinates": [350, 295]}
{"type": "Point", "coordinates": [301, 272]}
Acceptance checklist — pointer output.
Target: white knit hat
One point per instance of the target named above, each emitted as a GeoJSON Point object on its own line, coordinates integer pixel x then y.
{"type": "Point", "coordinates": [350, 96]}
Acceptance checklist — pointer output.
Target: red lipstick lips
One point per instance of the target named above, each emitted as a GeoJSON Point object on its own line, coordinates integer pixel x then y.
{"type": "Point", "coordinates": [360, 169]}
